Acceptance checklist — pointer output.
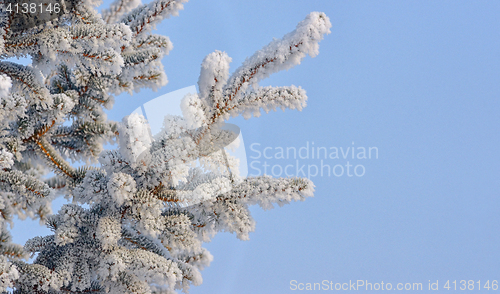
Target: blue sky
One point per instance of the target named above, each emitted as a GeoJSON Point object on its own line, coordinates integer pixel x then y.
{"type": "Point", "coordinates": [418, 80]}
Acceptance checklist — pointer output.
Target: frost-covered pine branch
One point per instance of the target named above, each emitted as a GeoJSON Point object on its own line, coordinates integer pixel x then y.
{"type": "Point", "coordinates": [137, 222]}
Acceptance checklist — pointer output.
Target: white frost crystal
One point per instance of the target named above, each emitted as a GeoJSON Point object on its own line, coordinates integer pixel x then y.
{"type": "Point", "coordinates": [5, 85]}
{"type": "Point", "coordinates": [135, 136]}
{"type": "Point", "coordinates": [6, 159]}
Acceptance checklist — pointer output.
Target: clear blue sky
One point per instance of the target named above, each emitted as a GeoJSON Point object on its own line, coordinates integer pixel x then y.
{"type": "Point", "coordinates": [420, 81]}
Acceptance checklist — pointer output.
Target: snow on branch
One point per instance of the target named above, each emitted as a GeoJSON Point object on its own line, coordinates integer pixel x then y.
{"type": "Point", "coordinates": [266, 190]}
{"type": "Point", "coordinates": [23, 185]}
{"type": "Point", "coordinates": [223, 95]}
{"type": "Point", "coordinates": [117, 9]}
{"type": "Point", "coordinates": [143, 18]}
{"type": "Point", "coordinates": [267, 98]}
{"type": "Point", "coordinates": [280, 54]}
{"type": "Point", "coordinates": [155, 41]}
{"type": "Point", "coordinates": [213, 76]}
{"type": "Point", "coordinates": [229, 211]}
{"type": "Point", "coordinates": [24, 79]}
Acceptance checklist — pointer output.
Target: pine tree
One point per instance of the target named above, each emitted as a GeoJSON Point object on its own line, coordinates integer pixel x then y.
{"type": "Point", "coordinates": [137, 222]}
